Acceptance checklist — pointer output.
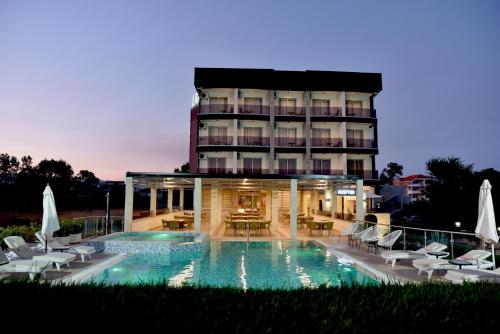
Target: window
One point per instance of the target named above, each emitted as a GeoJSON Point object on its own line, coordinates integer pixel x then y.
{"type": "Point", "coordinates": [354, 107]}
{"type": "Point", "coordinates": [321, 137]}
{"type": "Point", "coordinates": [287, 136]}
{"type": "Point", "coordinates": [217, 165]}
{"type": "Point", "coordinates": [217, 135]}
{"type": "Point", "coordinates": [218, 104]}
{"type": "Point", "coordinates": [252, 136]}
{"type": "Point", "coordinates": [252, 165]}
{"type": "Point", "coordinates": [355, 167]}
{"type": "Point", "coordinates": [287, 107]}
{"type": "Point", "coordinates": [252, 105]}
{"type": "Point", "coordinates": [320, 107]}
{"type": "Point", "coordinates": [354, 138]}
{"type": "Point", "coordinates": [287, 166]}
{"type": "Point", "coordinates": [321, 166]}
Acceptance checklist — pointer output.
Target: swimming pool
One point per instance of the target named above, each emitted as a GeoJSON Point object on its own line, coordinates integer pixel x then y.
{"type": "Point", "coordinates": [260, 264]}
{"type": "Point", "coordinates": [174, 237]}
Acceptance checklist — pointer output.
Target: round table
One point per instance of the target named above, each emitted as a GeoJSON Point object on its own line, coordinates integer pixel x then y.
{"type": "Point", "coordinates": [460, 263]}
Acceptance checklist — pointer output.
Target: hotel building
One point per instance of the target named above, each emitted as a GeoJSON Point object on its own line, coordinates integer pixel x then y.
{"type": "Point", "coordinates": [280, 143]}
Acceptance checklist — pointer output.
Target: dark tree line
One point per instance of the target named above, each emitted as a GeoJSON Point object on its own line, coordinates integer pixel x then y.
{"type": "Point", "coordinates": [22, 183]}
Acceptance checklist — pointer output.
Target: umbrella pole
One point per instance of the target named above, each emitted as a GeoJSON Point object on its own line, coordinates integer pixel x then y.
{"type": "Point", "coordinates": [493, 255]}
{"type": "Point", "coordinates": [45, 242]}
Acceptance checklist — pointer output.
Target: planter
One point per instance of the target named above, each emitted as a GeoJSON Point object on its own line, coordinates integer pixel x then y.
{"type": "Point", "coordinates": [62, 240]}
{"type": "Point", "coordinates": [75, 238]}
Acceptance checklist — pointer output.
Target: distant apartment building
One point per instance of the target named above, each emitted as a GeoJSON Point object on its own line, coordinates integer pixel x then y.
{"type": "Point", "coordinates": [414, 186]}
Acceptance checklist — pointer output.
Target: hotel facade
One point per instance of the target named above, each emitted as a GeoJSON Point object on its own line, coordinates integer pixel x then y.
{"type": "Point", "coordinates": [280, 143]}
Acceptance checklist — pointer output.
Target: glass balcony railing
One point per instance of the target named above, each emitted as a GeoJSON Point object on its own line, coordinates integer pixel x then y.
{"type": "Point", "coordinates": [289, 111]}
{"type": "Point", "coordinates": [364, 174]}
{"type": "Point", "coordinates": [291, 171]}
{"type": "Point", "coordinates": [253, 141]}
{"type": "Point", "coordinates": [253, 171]}
{"type": "Point", "coordinates": [254, 109]}
{"type": "Point", "coordinates": [327, 171]}
{"type": "Point", "coordinates": [215, 170]}
{"type": "Point", "coordinates": [360, 112]}
{"type": "Point", "coordinates": [326, 111]}
{"type": "Point", "coordinates": [326, 142]}
{"type": "Point", "coordinates": [215, 140]}
{"type": "Point", "coordinates": [289, 142]}
{"type": "Point", "coordinates": [360, 143]}
{"type": "Point", "coordinates": [216, 108]}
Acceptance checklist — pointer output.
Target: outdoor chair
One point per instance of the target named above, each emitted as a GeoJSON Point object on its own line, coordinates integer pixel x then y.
{"type": "Point", "coordinates": [266, 225]}
{"type": "Point", "coordinates": [175, 225]}
{"type": "Point", "coordinates": [371, 238]}
{"type": "Point", "coordinates": [55, 245]}
{"type": "Point", "coordinates": [394, 255]}
{"type": "Point", "coordinates": [229, 226]}
{"type": "Point", "coordinates": [348, 231]}
{"type": "Point", "coordinates": [31, 267]}
{"type": "Point", "coordinates": [328, 227]}
{"type": "Point", "coordinates": [388, 240]}
{"type": "Point", "coordinates": [240, 226]}
{"type": "Point", "coordinates": [254, 227]}
{"type": "Point", "coordinates": [23, 251]}
{"type": "Point", "coordinates": [166, 224]}
{"type": "Point", "coordinates": [477, 258]}
{"type": "Point", "coordinates": [358, 235]}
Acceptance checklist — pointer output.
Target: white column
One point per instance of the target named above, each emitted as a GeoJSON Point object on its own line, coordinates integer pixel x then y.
{"type": "Point", "coordinates": [181, 199]}
{"type": "Point", "coordinates": [152, 201]}
{"type": "Point", "coordinates": [235, 130]}
{"type": "Point", "coordinates": [170, 199]}
{"type": "Point", "coordinates": [213, 210]}
{"type": "Point", "coordinates": [197, 204]}
{"type": "Point", "coordinates": [344, 162]}
{"type": "Point", "coordinates": [268, 204]}
{"type": "Point", "coordinates": [293, 209]}
{"type": "Point", "coordinates": [334, 202]}
{"type": "Point", "coordinates": [129, 204]}
{"type": "Point", "coordinates": [274, 211]}
{"type": "Point", "coordinates": [360, 209]}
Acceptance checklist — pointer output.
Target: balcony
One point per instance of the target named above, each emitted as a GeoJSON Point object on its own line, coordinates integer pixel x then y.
{"type": "Point", "coordinates": [290, 171]}
{"type": "Point", "coordinates": [215, 170]}
{"type": "Point", "coordinates": [326, 142]}
{"type": "Point", "coordinates": [290, 111]}
{"type": "Point", "coordinates": [215, 140]}
{"type": "Point", "coordinates": [290, 142]}
{"type": "Point", "coordinates": [360, 143]}
{"type": "Point", "coordinates": [364, 174]}
{"type": "Point", "coordinates": [361, 112]}
{"type": "Point", "coordinates": [253, 171]}
{"type": "Point", "coordinates": [216, 109]}
{"type": "Point", "coordinates": [325, 171]}
{"type": "Point", "coordinates": [326, 111]}
{"type": "Point", "coordinates": [253, 141]}
{"type": "Point", "coordinates": [254, 109]}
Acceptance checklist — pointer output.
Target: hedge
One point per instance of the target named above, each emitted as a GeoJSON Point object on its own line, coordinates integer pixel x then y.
{"type": "Point", "coordinates": [412, 308]}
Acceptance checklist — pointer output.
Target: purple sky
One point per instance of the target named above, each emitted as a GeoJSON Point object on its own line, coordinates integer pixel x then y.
{"type": "Point", "coordinates": [107, 85]}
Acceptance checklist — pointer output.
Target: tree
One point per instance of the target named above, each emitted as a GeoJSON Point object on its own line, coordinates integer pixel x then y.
{"type": "Point", "coordinates": [392, 171]}
{"type": "Point", "coordinates": [184, 168]}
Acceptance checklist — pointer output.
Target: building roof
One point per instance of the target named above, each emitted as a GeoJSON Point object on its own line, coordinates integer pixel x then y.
{"type": "Point", "coordinates": [414, 177]}
{"type": "Point", "coordinates": [287, 80]}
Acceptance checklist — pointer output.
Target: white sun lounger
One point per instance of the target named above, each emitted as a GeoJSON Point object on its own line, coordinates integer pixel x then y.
{"type": "Point", "coordinates": [31, 267]}
{"type": "Point", "coordinates": [394, 255]}
{"type": "Point", "coordinates": [22, 250]}
{"type": "Point", "coordinates": [473, 275]}
{"type": "Point", "coordinates": [476, 257]}
{"type": "Point", "coordinates": [55, 245]}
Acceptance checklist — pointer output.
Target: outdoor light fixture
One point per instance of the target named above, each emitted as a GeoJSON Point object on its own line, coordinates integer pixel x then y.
{"type": "Point", "coordinates": [458, 224]}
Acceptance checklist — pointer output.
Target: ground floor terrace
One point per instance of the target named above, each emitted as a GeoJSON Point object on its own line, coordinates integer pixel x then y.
{"type": "Point", "coordinates": [281, 207]}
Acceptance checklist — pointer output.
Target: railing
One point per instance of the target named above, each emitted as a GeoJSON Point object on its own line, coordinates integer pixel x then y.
{"type": "Point", "coordinates": [414, 238]}
{"type": "Point", "coordinates": [215, 170]}
{"type": "Point", "coordinates": [215, 108]}
{"type": "Point", "coordinates": [324, 171]}
{"type": "Point", "coordinates": [326, 111]}
{"type": "Point", "coordinates": [253, 171]}
{"type": "Point", "coordinates": [254, 109]}
{"type": "Point", "coordinates": [290, 111]}
{"type": "Point", "coordinates": [326, 142]}
{"type": "Point", "coordinates": [364, 174]}
{"type": "Point", "coordinates": [291, 171]}
{"type": "Point", "coordinates": [96, 225]}
{"type": "Point", "coordinates": [360, 112]}
{"type": "Point", "coordinates": [253, 140]}
{"type": "Point", "coordinates": [360, 143]}
{"type": "Point", "coordinates": [215, 140]}
{"type": "Point", "coordinates": [290, 142]}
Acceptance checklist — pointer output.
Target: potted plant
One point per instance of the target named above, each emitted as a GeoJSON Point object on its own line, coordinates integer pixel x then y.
{"type": "Point", "coordinates": [76, 229]}
{"type": "Point", "coordinates": [69, 232]}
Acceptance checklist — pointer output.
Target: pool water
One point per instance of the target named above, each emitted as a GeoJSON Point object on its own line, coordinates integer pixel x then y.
{"type": "Point", "coordinates": [261, 264]}
{"type": "Point", "coordinates": [153, 236]}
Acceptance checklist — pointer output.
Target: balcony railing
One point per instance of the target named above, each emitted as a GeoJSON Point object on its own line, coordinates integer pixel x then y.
{"type": "Point", "coordinates": [324, 171]}
{"type": "Point", "coordinates": [254, 109]}
{"type": "Point", "coordinates": [253, 171]}
{"type": "Point", "coordinates": [360, 112]}
{"type": "Point", "coordinates": [290, 142]}
{"type": "Point", "coordinates": [216, 108]}
{"type": "Point", "coordinates": [215, 170]}
{"type": "Point", "coordinates": [364, 174]}
{"type": "Point", "coordinates": [290, 171]}
{"type": "Point", "coordinates": [215, 140]}
{"type": "Point", "coordinates": [360, 143]}
{"type": "Point", "coordinates": [326, 111]}
{"type": "Point", "coordinates": [326, 142]}
{"type": "Point", "coordinates": [253, 141]}
{"type": "Point", "coordinates": [290, 111]}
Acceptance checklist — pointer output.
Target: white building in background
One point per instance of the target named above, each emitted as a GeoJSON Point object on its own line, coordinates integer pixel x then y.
{"type": "Point", "coordinates": [414, 186]}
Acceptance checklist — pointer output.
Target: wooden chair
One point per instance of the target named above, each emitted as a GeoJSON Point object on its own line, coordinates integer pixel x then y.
{"type": "Point", "coordinates": [240, 225]}
{"type": "Point", "coordinates": [175, 225]}
{"type": "Point", "coordinates": [166, 224]}
{"type": "Point", "coordinates": [328, 227]}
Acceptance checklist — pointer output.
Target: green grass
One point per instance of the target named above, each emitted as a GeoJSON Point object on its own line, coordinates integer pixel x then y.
{"type": "Point", "coordinates": [423, 308]}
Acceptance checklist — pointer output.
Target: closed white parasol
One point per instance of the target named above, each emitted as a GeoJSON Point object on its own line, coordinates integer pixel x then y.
{"type": "Point", "coordinates": [486, 228]}
{"type": "Point", "coordinates": [50, 222]}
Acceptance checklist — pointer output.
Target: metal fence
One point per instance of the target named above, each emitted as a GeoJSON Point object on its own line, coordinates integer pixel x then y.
{"type": "Point", "coordinates": [96, 225]}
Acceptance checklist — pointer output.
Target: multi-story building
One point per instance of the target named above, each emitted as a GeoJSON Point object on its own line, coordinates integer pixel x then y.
{"type": "Point", "coordinates": [414, 186]}
{"type": "Point", "coordinates": [259, 121]}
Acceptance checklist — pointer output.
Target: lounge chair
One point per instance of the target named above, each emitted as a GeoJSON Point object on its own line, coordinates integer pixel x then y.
{"type": "Point", "coordinates": [388, 240]}
{"type": "Point", "coordinates": [394, 255]}
{"type": "Point", "coordinates": [348, 231]}
{"type": "Point", "coordinates": [476, 257]}
{"type": "Point", "coordinates": [370, 238]}
{"type": "Point", "coordinates": [23, 251]}
{"type": "Point", "coordinates": [473, 275]}
{"type": "Point", "coordinates": [54, 245]}
{"type": "Point", "coordinates": [359, 235]}
{"type": "Point", "coordinates": [31, 267]}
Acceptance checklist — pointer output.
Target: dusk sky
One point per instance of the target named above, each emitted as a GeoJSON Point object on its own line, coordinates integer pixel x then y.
{"type": "Point", "coordinates": [107, 85]}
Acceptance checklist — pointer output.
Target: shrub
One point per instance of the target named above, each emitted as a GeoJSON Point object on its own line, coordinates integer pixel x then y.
{"type": "Point", "coordinates": [67, 227]}
{"type": "Point", "coordinates": [26, 232]}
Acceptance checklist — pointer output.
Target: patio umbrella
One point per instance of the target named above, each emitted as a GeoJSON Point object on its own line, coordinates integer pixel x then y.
{"type": "Point", "coordinates": [50, 222]}
{"type": "Point", "coordinates": [486, 228]}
